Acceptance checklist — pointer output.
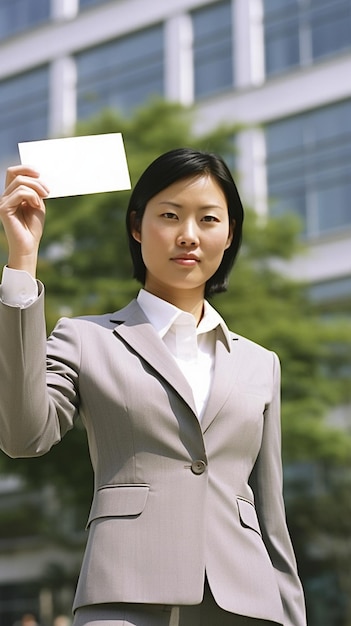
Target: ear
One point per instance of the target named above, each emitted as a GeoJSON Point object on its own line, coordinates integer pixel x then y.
{"type": "Point", "coordinates": [230, 234]}
{"type": "Point", "coordinates": [135, 226]}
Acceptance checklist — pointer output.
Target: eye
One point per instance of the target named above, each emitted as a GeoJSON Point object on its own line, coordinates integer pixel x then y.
{"type": "Point", "coordinates": [210, 218]}
{"type": "Point", "coordinates": [169, 215]}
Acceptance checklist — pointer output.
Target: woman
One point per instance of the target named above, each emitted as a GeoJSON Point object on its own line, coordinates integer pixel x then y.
{"type": "Point", "coordinates": [187, 524]}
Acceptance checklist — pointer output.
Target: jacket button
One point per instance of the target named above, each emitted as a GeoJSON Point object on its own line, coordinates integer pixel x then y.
{"type": "Point", "coordinates": [198, 467]}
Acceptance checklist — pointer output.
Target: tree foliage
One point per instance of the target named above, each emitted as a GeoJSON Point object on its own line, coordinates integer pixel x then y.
{"type": "Point", "coordinates": [264, 304]}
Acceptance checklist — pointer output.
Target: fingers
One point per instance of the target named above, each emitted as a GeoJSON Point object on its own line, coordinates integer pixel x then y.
{"type": "Point", "coordinates": [24, 174]}
{"type": "Point", "coordinates": [24, 190]}
{"type": "Point", "coordinates": [24, 186]}
{"type": "Point", "coordinates": [24, 170]}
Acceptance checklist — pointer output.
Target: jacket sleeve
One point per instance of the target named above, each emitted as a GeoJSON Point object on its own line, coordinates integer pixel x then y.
{"type": "Point", "coordinates": [34, 415]}
{"type": "Point", "coordinates": [267, 483]}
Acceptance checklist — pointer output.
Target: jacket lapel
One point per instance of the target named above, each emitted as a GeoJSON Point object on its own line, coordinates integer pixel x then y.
{"type": "Point", "coordinates": [135, 329]}
{"type": "Point", "coordinates": [225, 373]}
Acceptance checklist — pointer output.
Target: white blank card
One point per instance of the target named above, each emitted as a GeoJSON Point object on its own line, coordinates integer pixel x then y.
{"type": "Point", "coordinates": [75, 166]}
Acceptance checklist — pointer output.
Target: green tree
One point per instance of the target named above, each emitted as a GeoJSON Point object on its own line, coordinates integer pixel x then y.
{"type": "Point", "coordinates": [264, 304]}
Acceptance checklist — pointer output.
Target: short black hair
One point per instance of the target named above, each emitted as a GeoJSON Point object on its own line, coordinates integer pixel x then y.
{"type": "Point", "coordinates": [169, 168]}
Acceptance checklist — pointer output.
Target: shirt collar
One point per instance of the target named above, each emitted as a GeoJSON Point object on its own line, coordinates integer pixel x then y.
{"type": "Point", "coordinates": [163, 314]}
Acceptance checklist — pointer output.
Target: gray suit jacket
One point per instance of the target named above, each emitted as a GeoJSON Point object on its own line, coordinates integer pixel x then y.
{"type": "Point", "coordinates": [173, 497]}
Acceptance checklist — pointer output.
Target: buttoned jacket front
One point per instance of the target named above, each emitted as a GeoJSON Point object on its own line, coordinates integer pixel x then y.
{"type": "Point", "coordinates": [173, 497]}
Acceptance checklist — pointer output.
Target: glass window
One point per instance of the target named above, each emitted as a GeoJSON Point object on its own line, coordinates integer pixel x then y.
{"type": "Point", "coordinates": [213, 48]}
{"type": "Point", "coordinates": [282, 45]}
{"type": "Point", "coordinates": [334, 206]}
{"type": "Point", "coordinates": [23, 109]}
{"type": "Point", "coordinates": [338, 289]}
{"type": "Point", "coordinates": [297, 32]}
{"type": "Point", "coordinates": [122, 73]}
{"type": "Point", "coordinates": [330, 28]}
{"type": "Point", "coordinates": [87, 3]}
{"type": "Point", "coordinates": [309, 168]}
{"type": "Point", "coordinates": [19, 15]}
{"type": "Point", "coordinates": [15, 599]}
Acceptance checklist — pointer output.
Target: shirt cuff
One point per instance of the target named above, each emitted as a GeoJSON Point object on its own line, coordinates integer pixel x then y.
{"type": "Point", "coordinates": [18, 288]}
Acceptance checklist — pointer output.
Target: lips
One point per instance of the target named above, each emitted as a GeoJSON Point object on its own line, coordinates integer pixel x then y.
{"type": "Point", "coordinates": [185, 257]}
{"type": "Point", "coordinates": [187, 260]}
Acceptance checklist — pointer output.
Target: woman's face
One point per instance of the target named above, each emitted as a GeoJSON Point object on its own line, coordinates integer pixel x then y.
{"type": "Point", "coordinates": [184, 232]}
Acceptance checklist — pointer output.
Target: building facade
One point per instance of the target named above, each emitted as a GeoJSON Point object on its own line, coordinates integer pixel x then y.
{"type": "Point", "coordinates": [281, 68]}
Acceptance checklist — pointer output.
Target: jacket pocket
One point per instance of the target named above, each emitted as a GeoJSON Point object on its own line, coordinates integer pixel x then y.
{"type": "Point", "coordinates": [118, 501]}
{"type": "Point", "coordinates": [247, 514]}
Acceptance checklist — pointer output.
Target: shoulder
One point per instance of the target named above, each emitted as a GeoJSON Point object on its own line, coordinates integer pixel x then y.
{"type": "Point", "coordinates": [248, 343]}
{"type": "Point", "coordinates": [254, 349]}
{"type": "Point", "coordinates": [106, 321]}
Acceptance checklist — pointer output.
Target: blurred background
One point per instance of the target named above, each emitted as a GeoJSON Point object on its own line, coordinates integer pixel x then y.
{"type": "Point", "coordinates": [267, 84]}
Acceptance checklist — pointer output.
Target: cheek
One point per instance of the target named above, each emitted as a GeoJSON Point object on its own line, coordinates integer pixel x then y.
{"type": "Point", "coordinates": [154, 245]}
{"type": "Point", "coordinates": [152, 237]}
{"type": "Point", "coordinates": [218, 244]}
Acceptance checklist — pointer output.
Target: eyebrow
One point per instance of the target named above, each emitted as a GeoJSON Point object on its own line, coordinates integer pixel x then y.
{"type": "Point", "coordinates": [205, 207]}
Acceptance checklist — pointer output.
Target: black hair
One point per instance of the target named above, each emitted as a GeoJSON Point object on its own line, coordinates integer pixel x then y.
{"type": "Point", "coordinates": [167, 169]}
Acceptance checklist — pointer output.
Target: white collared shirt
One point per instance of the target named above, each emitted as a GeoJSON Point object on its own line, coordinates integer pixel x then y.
{"type": "Point", "coordinates": [193, 347]}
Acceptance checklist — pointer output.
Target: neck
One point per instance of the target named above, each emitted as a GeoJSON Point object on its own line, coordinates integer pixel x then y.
{"type": "Point", "coordinates": [186, 300]}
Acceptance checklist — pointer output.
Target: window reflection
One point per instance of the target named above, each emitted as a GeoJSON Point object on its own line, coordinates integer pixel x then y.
{"type": "Point", "coordinates": [23, 109]}
{"type": "Point", "coordinates": [213, 48]}
{"type": "Point", "coordinates": [299, 32]}
{"type": "Point", "coordinates": [19, 15]}
{"type": "Point", "coordinates": [86, 3]}
{"type": "Point", "coordinates": [122, 73]}
{"type": "Point", "coordinates": [309, 168]}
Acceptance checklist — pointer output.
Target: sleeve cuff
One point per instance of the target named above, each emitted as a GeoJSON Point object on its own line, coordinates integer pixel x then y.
{"type": "Point", "coordinates": [18, 288]}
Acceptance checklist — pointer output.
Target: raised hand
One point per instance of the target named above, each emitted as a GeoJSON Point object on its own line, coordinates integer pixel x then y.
{"type": "Point", "coordinates": [22, 212]}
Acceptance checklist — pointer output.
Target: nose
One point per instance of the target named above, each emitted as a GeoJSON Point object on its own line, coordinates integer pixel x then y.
{"type": "Point", "coordinates": [188, 235]}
